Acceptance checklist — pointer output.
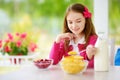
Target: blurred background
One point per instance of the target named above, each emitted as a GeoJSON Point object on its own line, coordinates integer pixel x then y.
{"type": "Point", "coordinates": [43, 19]}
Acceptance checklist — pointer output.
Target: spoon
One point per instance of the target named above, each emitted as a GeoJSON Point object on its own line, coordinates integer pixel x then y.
{"type": "Point", "coordinates": [82, 51]}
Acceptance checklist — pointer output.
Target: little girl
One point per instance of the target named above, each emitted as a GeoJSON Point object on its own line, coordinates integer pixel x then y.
{"type": "Point", "coordinates": [78, 35]}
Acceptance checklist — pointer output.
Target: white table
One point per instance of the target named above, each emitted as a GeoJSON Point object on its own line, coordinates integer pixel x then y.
{"type": "Point", "coordinates": [55, 73]}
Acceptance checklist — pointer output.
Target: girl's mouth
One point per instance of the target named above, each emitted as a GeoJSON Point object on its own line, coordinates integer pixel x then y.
{"type": "Point", "coordinates": [76, 29]}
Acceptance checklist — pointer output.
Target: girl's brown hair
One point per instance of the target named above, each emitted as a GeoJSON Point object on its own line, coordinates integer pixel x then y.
{"type": "Point", "coordinates": [89, 27]}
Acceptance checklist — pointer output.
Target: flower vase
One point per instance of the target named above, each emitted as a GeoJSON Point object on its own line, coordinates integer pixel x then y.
{"type": "Point", "coordinates": [15, 61]}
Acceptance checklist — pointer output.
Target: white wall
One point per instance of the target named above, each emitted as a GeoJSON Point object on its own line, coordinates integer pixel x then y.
{"type": "Point", "coordinates": [101, 16]}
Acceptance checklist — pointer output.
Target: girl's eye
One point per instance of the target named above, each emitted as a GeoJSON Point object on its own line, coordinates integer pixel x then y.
{"type": "Point", "coordinates": [70, 22]}
{"type": "Point", "coordinates": [78, 21]}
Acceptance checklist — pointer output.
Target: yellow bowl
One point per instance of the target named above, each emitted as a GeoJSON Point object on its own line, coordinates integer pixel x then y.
{"type": "Point", "coordinates": [73, 65]}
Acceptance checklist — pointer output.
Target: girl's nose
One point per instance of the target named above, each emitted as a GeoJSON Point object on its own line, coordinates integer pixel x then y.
{"type": "Point", "coordinates": [74, 25]}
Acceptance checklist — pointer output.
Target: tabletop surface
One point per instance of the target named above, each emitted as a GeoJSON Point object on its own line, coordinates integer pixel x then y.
{"type": "Point", "coordinates": [31, 72]}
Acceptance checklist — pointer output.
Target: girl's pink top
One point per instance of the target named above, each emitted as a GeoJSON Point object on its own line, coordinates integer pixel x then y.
{"type": "Point", "coordinates": [58, 51]}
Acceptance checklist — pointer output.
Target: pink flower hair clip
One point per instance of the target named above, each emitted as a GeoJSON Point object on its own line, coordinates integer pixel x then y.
{"type": "Point", "coordinates": [86, 13]}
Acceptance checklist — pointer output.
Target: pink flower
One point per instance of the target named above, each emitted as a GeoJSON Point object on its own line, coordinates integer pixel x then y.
{"type": "Point", "coordinates": [86, 13]}
{"type": "Point", "coordinates": [7, 41]}
{"type": "Point", "coordinates": [10, 36]}
{"type": "Point", "coordinates": [0, 43]}
{"type": "Point", "coordinates": [7, 49]}
{"type": "Point", "coordinates": [23, 35]}
{"type": "Point", "coordinates": [17, 34]}
{"type": "Point", "coordinates": [19, 43]}
{"type": "Point", "coordinates": [32, 47]}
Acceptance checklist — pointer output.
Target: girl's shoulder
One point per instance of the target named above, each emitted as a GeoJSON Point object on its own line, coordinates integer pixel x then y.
{"type": "Point", "coordinates": [93, 39]}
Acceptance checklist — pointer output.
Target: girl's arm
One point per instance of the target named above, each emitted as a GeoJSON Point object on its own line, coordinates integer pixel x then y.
{"type": "Point", "coordinates": [58, 49]}
{"type": "Point", "coordinates": [57, 52]}
{"type": "Point", "coordinates": [92, 41]}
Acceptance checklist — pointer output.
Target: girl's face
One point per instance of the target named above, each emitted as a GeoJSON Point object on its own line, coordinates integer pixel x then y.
{"type": "Point", "coordinates": [76, 22]}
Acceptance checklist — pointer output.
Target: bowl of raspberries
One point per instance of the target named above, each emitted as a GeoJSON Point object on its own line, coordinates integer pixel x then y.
{"type": "Point", "coordinates": [43, 63]}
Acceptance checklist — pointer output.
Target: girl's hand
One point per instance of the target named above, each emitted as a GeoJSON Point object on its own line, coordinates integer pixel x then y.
{"type": "Point", "coordinates": [64, 36]}
{"type": "Point", "coordinates": [91, 51]}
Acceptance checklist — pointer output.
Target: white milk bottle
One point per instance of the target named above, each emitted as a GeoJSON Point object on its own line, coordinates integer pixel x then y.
{"type": "Point", "coordinates": [101, 59]}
